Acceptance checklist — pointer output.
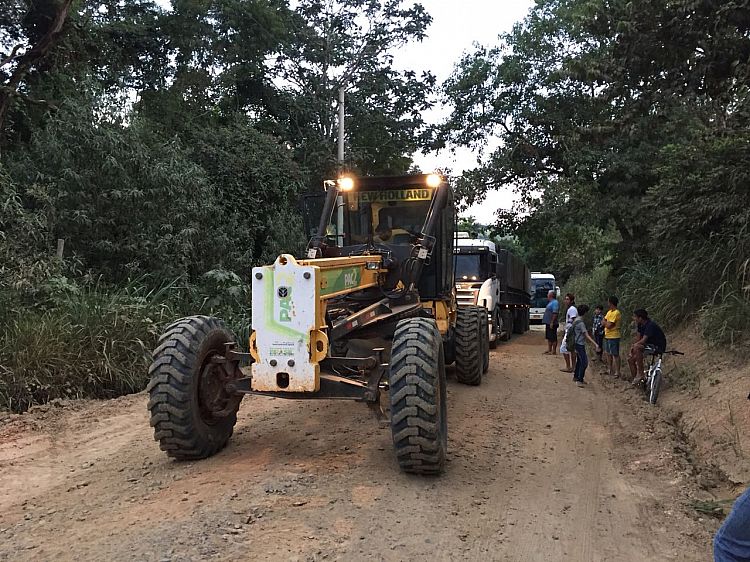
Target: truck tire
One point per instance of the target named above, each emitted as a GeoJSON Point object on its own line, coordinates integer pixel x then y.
{"type": "Point", "coordinates": [484, 335]}
{"type": "Point", "coordinates": [185, 391]}
{"type": "Point", "coordinates": [518, 321]}
{"type": "Point", "coordinates": [417, 395]}
{"type": "Point", "coordinates": [507, 318]}
{"type": "Point", "coordinates": [495, 328]}
{"type": "Point", "coordinates": [469, 354]}
{"type": "Point", "coordinates": [449, 347]}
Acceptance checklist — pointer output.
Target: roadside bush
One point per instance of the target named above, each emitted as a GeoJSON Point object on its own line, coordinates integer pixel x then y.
{"type": "Point", "coordinates": [663, 288]}
{"type": "Point", "coordinates": [708, 282]}
{"type": "Point", "coordinates": [725, 318]}
{"type": "Point", "coordinates": [593, 287]}
{"type": "Point", "coordinates": [89, 341]}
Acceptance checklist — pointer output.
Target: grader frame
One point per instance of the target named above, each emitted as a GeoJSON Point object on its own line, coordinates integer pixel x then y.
{"type": "Point", "coordinates": [312, 317]}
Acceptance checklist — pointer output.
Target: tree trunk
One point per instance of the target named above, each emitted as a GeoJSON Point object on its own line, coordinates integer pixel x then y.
{"type": "Point", "coordinates": [9, 90]}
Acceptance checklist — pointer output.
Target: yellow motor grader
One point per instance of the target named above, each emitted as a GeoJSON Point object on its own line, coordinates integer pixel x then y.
{"type": "Point", "coordinates": [370, 309]}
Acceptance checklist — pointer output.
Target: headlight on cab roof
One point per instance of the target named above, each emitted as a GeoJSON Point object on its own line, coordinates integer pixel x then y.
{"type": "Point", "coordinates": [346, 183]}
{"type": "Point", "coordinates": [433, 180]}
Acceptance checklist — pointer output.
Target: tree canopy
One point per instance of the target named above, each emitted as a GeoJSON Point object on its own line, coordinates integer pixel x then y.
{"type": "Point", "coordinates": [600, 107]}
{"type": "Point", "coordinates": [170, 142]}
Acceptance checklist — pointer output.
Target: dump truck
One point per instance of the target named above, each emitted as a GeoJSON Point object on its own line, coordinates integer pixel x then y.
{"type": "Point", "coordinates": [370, 310]}
{"type": "Point", "coordinates": [496, 280]}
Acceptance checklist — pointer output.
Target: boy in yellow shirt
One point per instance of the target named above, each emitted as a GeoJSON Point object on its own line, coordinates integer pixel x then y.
{"type": "Point", "coordinates": [612, 334]}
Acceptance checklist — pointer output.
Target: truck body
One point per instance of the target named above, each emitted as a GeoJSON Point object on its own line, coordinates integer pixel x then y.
{"type": "Point", "coordinates": [541, 285]}
{"type": "Point", "coordinates": [495, 279]}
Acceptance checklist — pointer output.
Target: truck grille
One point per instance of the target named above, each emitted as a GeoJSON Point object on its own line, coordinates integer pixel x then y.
{"type": "Point", "coordinates": [466, 297]}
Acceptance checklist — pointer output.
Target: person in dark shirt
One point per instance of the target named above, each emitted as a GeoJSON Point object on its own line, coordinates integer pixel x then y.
{"type": "Point", "coordinates": [649, 333]}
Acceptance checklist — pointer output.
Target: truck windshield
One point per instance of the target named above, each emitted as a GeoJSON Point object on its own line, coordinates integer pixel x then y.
{"type": "Point", "coordinates": [539, 290]}
{"type": "Point", "coordinates": [468, 267]}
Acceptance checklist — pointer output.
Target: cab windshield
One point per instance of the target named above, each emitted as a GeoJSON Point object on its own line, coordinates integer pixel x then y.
{"type": "Point", "coordinates": [468, 267]}
{"type": "Point", "coordinates": [393, 216]}
{"type": "Point", "coordinates": [540, 288]}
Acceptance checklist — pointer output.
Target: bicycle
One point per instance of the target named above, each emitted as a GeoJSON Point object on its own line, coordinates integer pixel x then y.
{"type": "Point", "coordinates": [652, 381]}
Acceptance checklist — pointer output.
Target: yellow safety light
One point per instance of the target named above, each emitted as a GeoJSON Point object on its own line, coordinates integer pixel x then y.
{"type": "Point", "coordinates": [434, 180]}
{"type": "Point", "coordinates": [346, 184]}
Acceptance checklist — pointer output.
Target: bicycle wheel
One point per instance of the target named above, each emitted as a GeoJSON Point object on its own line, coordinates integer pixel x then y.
{"type": "Point", "coordinates": [655, 385]}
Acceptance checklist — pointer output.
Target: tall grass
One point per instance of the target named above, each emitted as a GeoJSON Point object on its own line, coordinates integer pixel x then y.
{"type": "Point", "coordinates": [593, 287]}
{"type": "Point", "coordinates": [707, 283]}
{"type": "Point", "coordinates": [725, 319]}
{"type": "Point", "coordinates": [93, 341]}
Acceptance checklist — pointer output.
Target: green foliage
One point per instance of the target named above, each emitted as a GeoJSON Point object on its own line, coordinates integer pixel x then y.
{"type": "Point", "coordinates": [256, 185]}
{"type": "Point", "coordinates": [350, 43]}
{"type": "Point", "coordinates": [592, 287]}
{"type": "Point", "coordinates": [623, 126]}
{"type": "Point", "coordinates": [87, 340]}
{"type": "Point", "coordinates": [125, 201]}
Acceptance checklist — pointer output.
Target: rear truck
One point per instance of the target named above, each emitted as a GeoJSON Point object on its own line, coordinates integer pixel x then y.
{"type": "Point", "coordinates": [370, 311]}
{"type": "Point", "coordinates": [496, 280]}
{"type": "Point", "coordinates": [541, 285]}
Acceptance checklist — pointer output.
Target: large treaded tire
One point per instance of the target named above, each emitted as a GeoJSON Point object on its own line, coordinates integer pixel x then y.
{"type": "Point", "coordinates": [469, 353]}
{"type": "Point", "coordinates": [184, 430]}
{"type": "Point", "coordinates": [417, 394]}
{"type": "Point", "coordinates": [507, 318]}
{"type": "Point", "coordinates": [518, 322]}
{"type": "Point", "coordinates": [495, 328]}
{"type": "Point", "coordinates": [484, 334]}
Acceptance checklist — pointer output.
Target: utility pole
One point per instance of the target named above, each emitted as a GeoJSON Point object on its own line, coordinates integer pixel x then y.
{"type": "Point", "coordinates": [340, 159]}
{"type": "Point", "coordinates": [341, 127]}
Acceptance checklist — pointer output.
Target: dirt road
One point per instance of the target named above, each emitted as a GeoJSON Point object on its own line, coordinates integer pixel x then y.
{"type": "Point", "coordinates": [539, 470]}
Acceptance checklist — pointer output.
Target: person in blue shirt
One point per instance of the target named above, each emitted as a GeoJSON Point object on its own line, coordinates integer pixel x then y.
{"type": "Point", "coordinates": [732, 541]}
{"type": "Point", "coordinates": [550, 321]}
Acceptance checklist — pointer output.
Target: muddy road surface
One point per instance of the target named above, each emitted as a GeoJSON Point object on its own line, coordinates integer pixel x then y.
{"type": "Point", "coordinates": [538, 469]}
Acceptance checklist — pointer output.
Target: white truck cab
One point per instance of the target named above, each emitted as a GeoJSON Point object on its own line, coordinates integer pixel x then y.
{"type": "Point", "coordinates": [494, 279]}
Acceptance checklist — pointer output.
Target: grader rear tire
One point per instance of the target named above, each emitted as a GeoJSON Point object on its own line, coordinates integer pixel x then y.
{"type": "Point", "coordinates": [185, 392]}
{"type": "Point", "coordinates": [469, 352]}
{"type": "Point", "coordinates": [417, 394]}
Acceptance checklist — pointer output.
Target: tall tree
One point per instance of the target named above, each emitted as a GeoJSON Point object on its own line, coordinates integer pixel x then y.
{"type": "Point", "coordinates": [350, 44]}
{"type": "Point", "coordinates": [585, 96]}
{"type": "Point", "coordinates": [32, 34]}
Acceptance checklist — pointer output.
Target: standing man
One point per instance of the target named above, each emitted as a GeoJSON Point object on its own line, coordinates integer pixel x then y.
{"type": "Point", "coordinates": [649, 333]}
{"type": "Point", "coordinates": [612, 334]}
{"type": "Point", "coordinates": [551, 313]}
{"type": "Point", "coordinates": [570, 314]}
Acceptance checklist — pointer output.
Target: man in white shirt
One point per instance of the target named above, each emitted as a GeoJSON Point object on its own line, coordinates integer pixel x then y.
{"type": "Point", "coordinates": [570, 315]}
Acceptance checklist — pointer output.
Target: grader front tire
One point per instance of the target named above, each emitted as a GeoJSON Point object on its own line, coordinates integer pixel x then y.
{"type": "Point", "coordinates": [184, 388]}
{"type": "Point", "coordinates": [417, 394]}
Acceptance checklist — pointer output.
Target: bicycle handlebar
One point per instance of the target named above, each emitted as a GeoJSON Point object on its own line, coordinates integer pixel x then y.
{"type": "Point", "coordinates": [674, 352]}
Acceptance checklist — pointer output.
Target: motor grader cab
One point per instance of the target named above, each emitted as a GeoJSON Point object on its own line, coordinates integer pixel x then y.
{"type": "Point", "coordinates": [370, 309]}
